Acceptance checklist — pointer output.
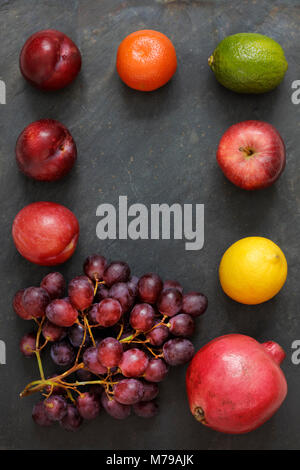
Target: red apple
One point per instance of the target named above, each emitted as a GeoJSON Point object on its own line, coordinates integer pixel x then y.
{"type": "Point", "coordinates": [45, 233]}
{"type": "Point", "coordinates": [45, 150]}
{"type": "Point", "coordinates": [50, 60]}
{"type": "Point", "coordinates": [251, 154]}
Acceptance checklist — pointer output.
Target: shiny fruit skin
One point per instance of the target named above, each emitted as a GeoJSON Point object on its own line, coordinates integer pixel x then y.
{"type": "Point", "coordinates": [50, 60]}
{"type": "Point", "coordinates": [178, 351]}
{"type": "Point", "coordinates": [88, 405]}
{"type": "Point", "coordinates": [54, 284]}
{"type": "Point", "coordinates": [151, 391]}
{"type": "Point", "coordinates": [149, 288]}
{"type": "Point", "coordinates": [170, 284]}
{"type": "Point", "coordinates": [109, 352]}
{"type": "Point", "coordinates": [62, 353]}
{"type": "Point", "coordinates": [145, 409]}
{"type": "Point", "coordinates": [170, 302]}
{"type": "Point", "coordinates": [94, 267]}
{"type": "Point", "coordinates": [81, 292]}
{"type": "Point", "coordinates": [19, 307]}
{"type": "Point", "coordinates": [182, 325]}
{"type": "Point", "coordinates": [35, 301]}
{"type": "Point", "coordinates": [28, 344]}
{"type": "Point", "coordinates": [52, 332]}
{"type": "Point", "coordinates": [128, 391]}
{"type": "Point", "coordinates": [39, 415]}
{"type": "Point", "coordinates": [72, 420]}
{"type": "Point", "coordinates": [156, 370]}
{"type": "Point", "coordinates": [158, 335]}
{"type": "Point", "coordinates": [251, 154]}
{"type": "Point", "coordinates": [56, 407]}
{"type": "Point", "coordinates": [194, 304]}
{"type": "Point", "coordinates": [253, 270]}
{"type": "Point", "coordinates": [234, 384]}
{"type": "Point", "coordinates": [45, 150]}
{"type": "Point", "coordinates": [117, 271]}
{"type": "Point", "coordinates": [91, 362]}
{"type": "Point", "coordinates": [45, 233]}
{"type": "Point", "coordinates": [114, 408]}
{"type": "Point", "coordinates": [121, 292]}
{"type": "Point", "coordinates": [61, 312]}
{"type": "Point", "coordinates": [146, 60]}
{"type": "Point", "coordinates": [134, 362]}
{"type": "Point", "coordinates": [142, 317]}
{"type": "Point", "coordinates": [109, 312]}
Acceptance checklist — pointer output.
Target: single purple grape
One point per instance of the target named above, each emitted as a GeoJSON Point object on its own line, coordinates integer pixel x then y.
{"type": "Point", "coordinates": [54, 284]}
{"type": "Point", "coordinates": [170, 302]}
{"type": "Point", "coordinates": [62, 353]}
{"type": "Point", "coordinates": [56, 407]}
{"type": "Point", "coordinates": [158, 335]}
{"type": "Point", "coordinates": [93, 314]}
{"type": "Point", "coordinates": [76, 336]}
{"type": "Point", "coordinates": [84, 375]}
{"type": "Point", "coordinates": [39, 415]}
{"type": "Point", "coordinates": [91, 362]}
{"type": "Point", "coordinates": [114, 408]}
{"type": "Point", "coordinates": [35, 301]}
{"type": "Point", "coordinates": [81, 292]}
{"type": "Point", "coordinates": [142, 317]}
{"type": "Point", "coordinates": [94, 267]}
{"type": "Point", "coordinates": [178, 351]}
{"type": "Point", "coordinates": [53, 332]}
{"type": "Point", "coordinates": [110, 352]}
{"type": "Point", "coordinates": [156, 370]}
{"type": "Point", "coordinates": [145, 409]}
{"type": "Point", "coordinates": [120, 291]}
{"type": "Point", "coordinates": [150, 391]}
{"type": "Point", "coordinates": [133, 285]}
{"type": "Point", "coordinates": [28, 344]}
{"type": "Point", "coordinates": [88, 405]}
{"type": "Point", "coordinates": [194, 304]}
{"type": "Point", "coordinates": [19, 307]}
{"type": "Point", "coordinates": [182, 325]}
{"type": "Point", "coordinates": [128, 391]}
{"type": "Point", "coordinates": [172, 285]}
{"type": "Point", "coordinates": [149, 288]}
{"type": "Point", "coordinates": [117, 271]}
{"type": "Point", "coordinates": [72, 420]}
{"type": "Point", "coordinates": [102, 293]}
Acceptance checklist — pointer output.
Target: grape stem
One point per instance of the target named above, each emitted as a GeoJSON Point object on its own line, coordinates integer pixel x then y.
{"type": "Point", "coordinates": [38, 385]}
{"type": "Point", "coordinates": [37, 349]}
{"type": "Point", "coordinates": [87, 325]}
{"type": "Point", "coordinates": [107, 382]}
{"type": "Point", "coordinates": [82, 343]}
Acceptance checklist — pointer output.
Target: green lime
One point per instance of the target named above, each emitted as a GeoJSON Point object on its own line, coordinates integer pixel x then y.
{"type": "Point", "coordinates": [248, 63]}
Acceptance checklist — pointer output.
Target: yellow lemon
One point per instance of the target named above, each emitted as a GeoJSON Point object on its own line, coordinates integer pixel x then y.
{"type": "Point", "coordinates": [253, 270]}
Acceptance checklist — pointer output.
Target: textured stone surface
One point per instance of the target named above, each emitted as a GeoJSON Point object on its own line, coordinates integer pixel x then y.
{"type": "Point", "coordinates": [154, 148]}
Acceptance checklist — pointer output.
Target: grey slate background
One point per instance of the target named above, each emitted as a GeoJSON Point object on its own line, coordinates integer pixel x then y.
{"type": "Point", "coordinates": [154, 148]}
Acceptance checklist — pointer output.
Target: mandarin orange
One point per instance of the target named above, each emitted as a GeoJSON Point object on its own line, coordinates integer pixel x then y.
{"type": "Point", "coordinates": [146, 60]}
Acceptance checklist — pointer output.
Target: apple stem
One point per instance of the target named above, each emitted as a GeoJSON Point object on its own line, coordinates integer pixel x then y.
{"type": "Point", "coordinates": [246, 150]}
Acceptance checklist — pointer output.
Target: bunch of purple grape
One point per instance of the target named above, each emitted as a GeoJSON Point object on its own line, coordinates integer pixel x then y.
{"type": "Point", "coordinates": [112, 338]}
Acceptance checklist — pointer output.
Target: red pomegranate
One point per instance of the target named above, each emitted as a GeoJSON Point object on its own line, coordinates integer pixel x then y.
{"type": "Point", "coordinates": [234, 384]}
